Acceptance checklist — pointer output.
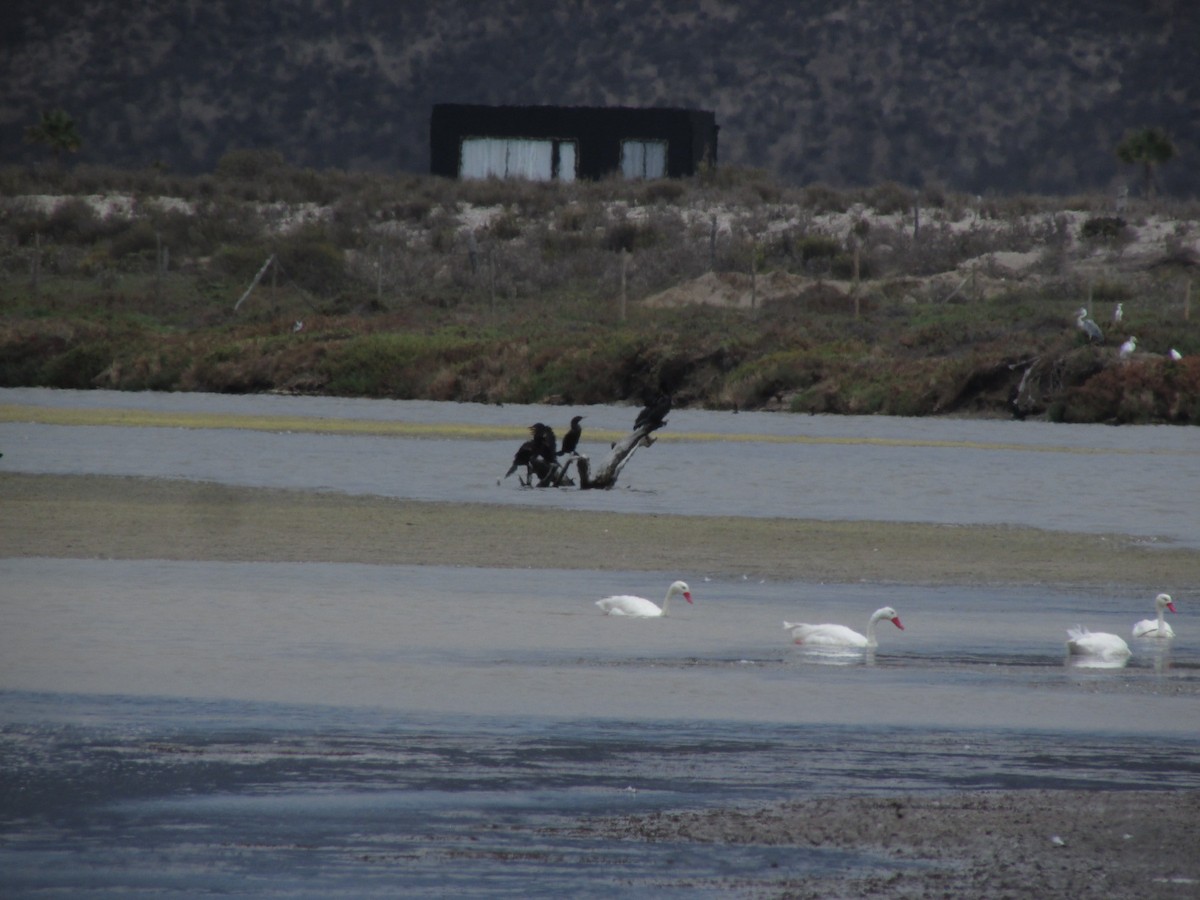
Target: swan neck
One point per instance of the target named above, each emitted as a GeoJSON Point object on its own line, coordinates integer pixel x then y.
{"type": "Point", "coordinates": [666, 600]}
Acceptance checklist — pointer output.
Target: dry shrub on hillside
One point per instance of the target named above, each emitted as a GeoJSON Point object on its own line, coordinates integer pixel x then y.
{"type": "Point", "coordinates": [72, 221]}
{"type": "Point", "coordinates": [890, 198]}
{"type": "Point", "coordinates": [1138, 391]}
{"type": "Point", "coordinates": [821, 198]}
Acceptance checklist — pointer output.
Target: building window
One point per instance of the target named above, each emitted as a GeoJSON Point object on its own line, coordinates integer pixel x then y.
{"type": "Point", "coordinates": [537, 160]}
{"type": "Point", "coordinates": [565, 160]}
{"type": "Point", "coordinates": [644, 159]}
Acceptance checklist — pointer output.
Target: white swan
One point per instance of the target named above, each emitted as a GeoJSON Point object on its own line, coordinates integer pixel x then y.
{"type": "Point", "coordinates": [840, 635]}
{"type": "Point", "coordinates": [1081, 642]}
{"type": "Point", "coordinates": [1157, 628]}
{"type": "Point", "coordinates": [640, 607]}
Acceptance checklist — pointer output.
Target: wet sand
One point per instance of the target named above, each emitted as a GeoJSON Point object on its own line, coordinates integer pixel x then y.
{"type": "Point", "coordinates": [993, 844]}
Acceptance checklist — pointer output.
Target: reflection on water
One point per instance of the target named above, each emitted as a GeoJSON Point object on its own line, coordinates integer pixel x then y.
{"type": "Point", "coordinates": [1157, 651]}
{"type": "Point", "coordinates": [1097, 662]}
{"type": "Point", "coordinates": [836, 656]}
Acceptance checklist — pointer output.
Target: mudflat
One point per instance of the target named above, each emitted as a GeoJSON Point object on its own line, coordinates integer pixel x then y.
{"type": "Point", "coordinates": [140, 518]}
{"type": "Point", "coordinates": [994, 844]}
{"type": "Point", "coordinates": [998, 844]}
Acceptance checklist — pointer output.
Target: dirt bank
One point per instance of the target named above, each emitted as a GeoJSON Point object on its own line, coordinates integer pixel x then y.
{"type": "Point", "coordinates": [134, 518]}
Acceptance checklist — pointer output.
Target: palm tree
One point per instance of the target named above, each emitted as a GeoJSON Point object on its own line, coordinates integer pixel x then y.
{"type": "Point", "coordinates": [57, 131]}
{"type": "Point", "coordinates": [1147, 147]}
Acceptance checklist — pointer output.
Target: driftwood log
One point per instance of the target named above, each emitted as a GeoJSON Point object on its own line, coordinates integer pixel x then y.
{"type": "Point", "coordinates": [622, 451]}
{"type": "Point", "coordinates": [542, 473]}
{"type": "Point", "coordinates": [540, 454]}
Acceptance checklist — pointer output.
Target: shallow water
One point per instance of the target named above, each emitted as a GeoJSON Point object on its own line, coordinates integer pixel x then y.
{"type": "Point", "coordinates": [278, 801]}
{"type": "Point", "coordinates": [1100, 479]}
{"type": "Point", "coordinates": [514, 643]}
{"type": "Point", "coordinates": [287, 729]}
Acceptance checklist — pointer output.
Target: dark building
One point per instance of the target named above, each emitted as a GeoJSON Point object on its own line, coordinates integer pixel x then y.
{"type": "Point", "coordinates": [568, 142]}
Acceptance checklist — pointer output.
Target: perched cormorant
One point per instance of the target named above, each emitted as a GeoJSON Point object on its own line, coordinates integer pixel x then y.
{"type": "Point", "coordinates": [536, 454]}
{"type": "Point", "coordinates": [1088, 327]}
{"type": "Point", "coordinates": [522, 457]}
{"type": "Point", "coordinates": [571, 439]}
{"type": "Point", "coordinates": [544, 441]}
{"type": "Point", "coordinates": [655, 413]}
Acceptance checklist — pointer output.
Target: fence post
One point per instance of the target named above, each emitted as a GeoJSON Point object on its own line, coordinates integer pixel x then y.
{"type": "Point", "coordinates": [624, 280]}
{"type": "Point", "coordinates": [712, 244]}
{"type": "Point", "coordinates": [257, 279]}
{"type": "Point", "coordinates": [854, 287]}
{"type": "Point", "coordinates": [754, 275]}
{"type": "Point", "coordinates": [379, 272]}
{"type": "Point", "coordinates": [37, 263]}
{"type": "Point", "coordinates": [158, 265]}
{"type": "Point", "coordinates": [489, 273]}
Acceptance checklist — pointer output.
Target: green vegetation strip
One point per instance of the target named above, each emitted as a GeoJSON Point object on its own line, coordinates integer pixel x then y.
{"type": "Point", "coordinates": [308, 424]}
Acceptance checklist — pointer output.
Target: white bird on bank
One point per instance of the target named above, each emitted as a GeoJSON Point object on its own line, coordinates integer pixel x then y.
{"type": "Point", "coordinates": [1157, 628]}
{"type": "Point", "coordinates": [839, 635]}
{"type": "Point", "coordinates": [1128, 347]}
{"type": "Point", "coordinates": [1088, 327]}
{"type": "Point", "coordinates": [1095, 644]}
{"type": "Point", "coordinates": [640, 607]}
{"type": "Point", "coordinates": [1118, 313]}
{"type": "Point", "coordinates": [1175, 354]}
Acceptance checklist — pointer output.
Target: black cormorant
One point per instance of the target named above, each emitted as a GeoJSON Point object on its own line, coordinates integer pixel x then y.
{"type": "Point", "coordinates": [536, 454]}
{"type": "Point", "coordinates": [571, 439]}
{"type": "Point", "coordinates": [544, 441]}
{"type": "Point", "coordinates": [655, 413]}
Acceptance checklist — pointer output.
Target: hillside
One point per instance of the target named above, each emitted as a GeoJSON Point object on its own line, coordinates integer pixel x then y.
{"type": "Point", "coordinates": [971, 95]}
{"type": "Point", "coordinates": [728, 291]}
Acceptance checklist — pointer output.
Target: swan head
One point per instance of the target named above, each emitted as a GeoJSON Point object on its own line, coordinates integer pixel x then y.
{"type": "Point", "coordinates": [680, 587]}
{"type": "Point", "coordinates": [1164, 601]}
{"type": "Point", "coordinates": [887, 613]}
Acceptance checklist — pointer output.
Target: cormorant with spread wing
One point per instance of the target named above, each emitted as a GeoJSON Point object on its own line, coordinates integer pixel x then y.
{"type": "Point", "coordinates": [544, 441]}
{"type": "Point", "coordinates": [655, 413]}
{"type": "Point", "coordinates": [536, 454]}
